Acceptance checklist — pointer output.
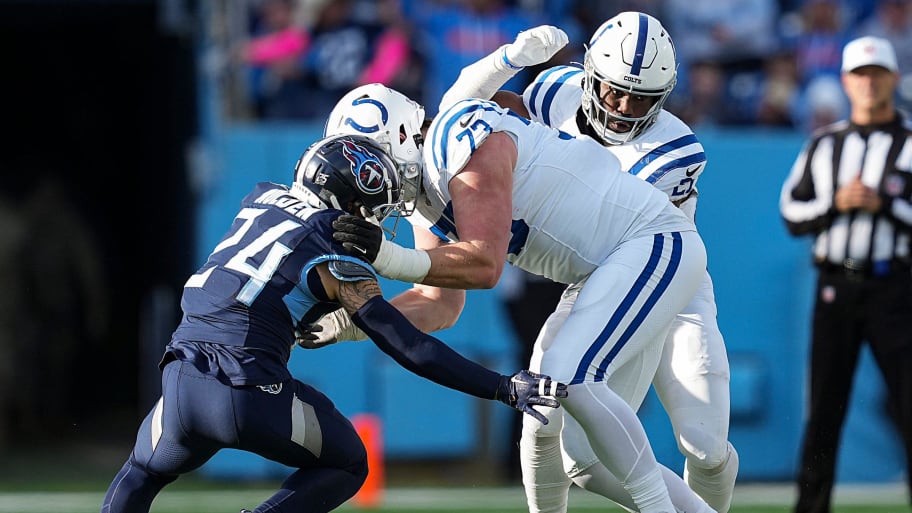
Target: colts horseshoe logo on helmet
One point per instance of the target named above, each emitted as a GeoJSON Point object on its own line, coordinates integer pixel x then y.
{"type": "Point", "coordinates": [365, 166]}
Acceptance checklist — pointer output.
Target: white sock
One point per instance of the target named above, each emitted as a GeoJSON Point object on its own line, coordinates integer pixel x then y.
{"type": "Point", "coordinates": [598, 480]}
{"type": "Point", "coordinates": [650, 494]}
{"type": "Point", "coordinates": [547, 485]}
{"type": "Point", "coordinates": [619, 441]}
{"type": "Point", "coordinates": [716, 485]}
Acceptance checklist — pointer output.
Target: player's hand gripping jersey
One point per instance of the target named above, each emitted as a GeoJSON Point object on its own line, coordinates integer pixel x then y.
{"type": "Point", "coordinates": [666, 155]}
{"type": "Point", "coordinates": [571, 205]}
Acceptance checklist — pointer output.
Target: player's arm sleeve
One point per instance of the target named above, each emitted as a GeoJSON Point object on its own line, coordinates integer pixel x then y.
{"type": "Point", "coordinates": [423, 354]}
{"type": "Point", "coordinates": [481, 79]}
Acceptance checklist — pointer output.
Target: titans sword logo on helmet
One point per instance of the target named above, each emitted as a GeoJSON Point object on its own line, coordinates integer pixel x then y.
{"type": "Point", "coordinates": [365, 166]}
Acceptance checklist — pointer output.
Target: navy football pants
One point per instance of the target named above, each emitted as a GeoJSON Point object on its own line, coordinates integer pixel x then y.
{"type": "Point", "coordinates": [293, 424]}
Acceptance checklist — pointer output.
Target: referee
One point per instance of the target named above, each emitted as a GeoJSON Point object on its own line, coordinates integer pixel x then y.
{"type": "Point", "coordinates": [851, 187]}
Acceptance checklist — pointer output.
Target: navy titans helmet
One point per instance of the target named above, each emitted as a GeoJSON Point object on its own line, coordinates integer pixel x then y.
{"type": "Point", "coordinates": [347, 172]}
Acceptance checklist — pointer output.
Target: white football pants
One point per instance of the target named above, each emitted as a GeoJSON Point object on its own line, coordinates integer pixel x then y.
{"type": "Point", "coordinates": [605, 339]}
{"type": "Point", "coordinates": [692, 382]}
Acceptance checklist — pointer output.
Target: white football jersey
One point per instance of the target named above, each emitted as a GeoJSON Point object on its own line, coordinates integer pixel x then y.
{"type": "Point", "coordinates": [571, 206]}
{"type": "Point", "coordinates": [666, 155]}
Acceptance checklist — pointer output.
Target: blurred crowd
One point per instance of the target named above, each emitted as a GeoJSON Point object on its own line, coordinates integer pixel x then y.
{"type": "Point", "coordinates": [741, 62]}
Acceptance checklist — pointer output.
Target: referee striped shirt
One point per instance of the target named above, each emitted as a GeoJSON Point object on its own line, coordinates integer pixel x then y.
{"type": "Point", "coordinates": [882, 156]}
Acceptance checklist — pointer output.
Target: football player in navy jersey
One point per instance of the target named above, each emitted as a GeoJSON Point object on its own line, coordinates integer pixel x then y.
{"type": "Point", "coordinates": [225, 380]}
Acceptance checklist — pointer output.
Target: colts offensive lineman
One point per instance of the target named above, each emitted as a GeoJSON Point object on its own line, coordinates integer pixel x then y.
{"type": "Point", "coordinates": [495, 185]}
{"type": "Point", "coordinates": [617, 98]}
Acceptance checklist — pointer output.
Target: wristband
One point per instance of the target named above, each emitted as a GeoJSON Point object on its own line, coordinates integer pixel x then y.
{"type": "Point", "coordinates": [506, 61]}
{"type": "Point", "coordinates": [480, 79]}
{"type": "Point", "coordinates": [399, 263]}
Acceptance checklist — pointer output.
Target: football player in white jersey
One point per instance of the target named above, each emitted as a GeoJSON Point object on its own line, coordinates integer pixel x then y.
{"type": "Point", "coordinates": [498, 187]}
{"type": "Point", "coordinates": [617, 99]}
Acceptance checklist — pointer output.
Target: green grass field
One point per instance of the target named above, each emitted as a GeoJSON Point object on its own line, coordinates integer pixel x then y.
{"type": "Point", "coordinates": [72, 478]}
{"type": "Point", "coordinates": [750, 499]}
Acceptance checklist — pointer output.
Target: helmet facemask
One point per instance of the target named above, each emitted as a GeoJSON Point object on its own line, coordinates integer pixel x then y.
{"type": "Point", "coordinates": [632, 54]}
{"type": "Point", "coordinates": [409, 171]}
{"type": "Point", "coordinates": [409, 174]}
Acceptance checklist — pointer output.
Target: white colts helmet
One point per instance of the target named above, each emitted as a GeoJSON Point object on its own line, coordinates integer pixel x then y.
{"type": "Point", "coordinates": [633, 53]}
{"type": "Point", "coordinates": [392, 120]}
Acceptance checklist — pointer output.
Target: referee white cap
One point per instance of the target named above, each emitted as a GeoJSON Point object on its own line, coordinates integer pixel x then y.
{"type": "Point", "coordinates": [868, 51]}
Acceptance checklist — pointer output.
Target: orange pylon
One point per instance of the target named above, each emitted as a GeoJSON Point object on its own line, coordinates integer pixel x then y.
{"type": "Point", "coordinates": [370, 430]}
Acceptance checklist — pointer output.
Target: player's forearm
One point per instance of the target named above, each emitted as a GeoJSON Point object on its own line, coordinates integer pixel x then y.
{"type": "Point", "coordinates": [430, 308]}
{"type": "Point", "coordinates": [423, 354]}
{"type": "Point", "coordinates": [476, 264]}
{"type": "Point", "coordinates": [481, 79]}
{"type": "Point", "coordinates": [484, 77]}
{"type": "Point", "coordinates": [427, 308]}
{"type": "Point", "coordinates": [465, 265]}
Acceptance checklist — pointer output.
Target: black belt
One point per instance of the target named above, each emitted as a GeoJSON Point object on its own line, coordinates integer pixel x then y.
{"type": "Point", "coordinates": [861, 269]}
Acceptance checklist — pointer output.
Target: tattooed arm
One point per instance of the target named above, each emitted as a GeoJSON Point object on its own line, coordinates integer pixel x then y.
{"type": "Point", "coordinates": [416, 351]}
{"type": "Point", "coordinates": [351, 295]}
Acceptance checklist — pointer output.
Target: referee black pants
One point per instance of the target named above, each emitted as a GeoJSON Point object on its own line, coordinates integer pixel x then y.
{"type": "Point", "coordinates": [848, 312]}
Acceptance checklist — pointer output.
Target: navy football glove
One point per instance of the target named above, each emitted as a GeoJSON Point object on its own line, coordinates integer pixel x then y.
{"type": "Point", "coordinates": [358, 236]}
{"type": "Point", "coordinates": [526, 388]}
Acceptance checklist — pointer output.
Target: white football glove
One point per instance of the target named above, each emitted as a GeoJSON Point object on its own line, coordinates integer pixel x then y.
{"type": "Point", "coordinates": [333, 327]}
{"type": "Point", "coordinates": [535, 46]}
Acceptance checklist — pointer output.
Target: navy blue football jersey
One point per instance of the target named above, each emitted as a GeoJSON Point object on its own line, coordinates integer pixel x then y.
{"type": "Point", "coordinates": [241, 308]}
